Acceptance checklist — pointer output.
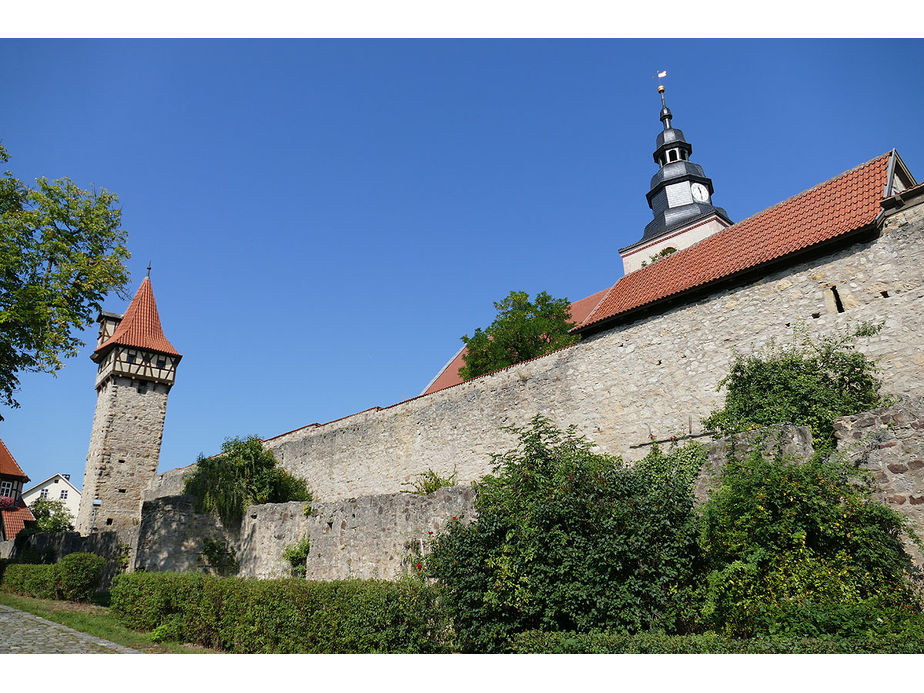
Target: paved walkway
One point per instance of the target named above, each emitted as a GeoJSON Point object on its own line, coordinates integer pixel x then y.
{"type": "Point", "coordinates": [23, 633]}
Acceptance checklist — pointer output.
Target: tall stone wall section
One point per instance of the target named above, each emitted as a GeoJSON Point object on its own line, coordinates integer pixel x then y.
{"type": "Point", "coordinates": [654, 376]}
{"type": "Point", "coordinates": [890, 443]}
{"type": "Point", "coordinates": [128, 427]}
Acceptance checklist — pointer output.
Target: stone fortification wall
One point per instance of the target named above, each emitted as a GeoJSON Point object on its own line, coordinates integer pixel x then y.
{"type": "Point", "coordinates": [653, 376]}
{"type": "Point", "coordinates": [6, 548]}
{"type": "Point", "coordinates": [377, 536]}
{"type": "Point", "coordinates": [172, 535]}
{"type": "Point", "coordinates": [359, 537]}
{"type": "Point", "coordinates": [890, 443]}
{"type": "Point", "coordinates": [116, 547]}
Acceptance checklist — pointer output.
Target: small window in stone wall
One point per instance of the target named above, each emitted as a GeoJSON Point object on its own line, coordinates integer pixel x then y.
{"type": "Point", "coordinates": [108, 520]}
{"type": "Point", "coordinates": [121, 490]}
{"type": "Point", "coordinates": [838, 304]}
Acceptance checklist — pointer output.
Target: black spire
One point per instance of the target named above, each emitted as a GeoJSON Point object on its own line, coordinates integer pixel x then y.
{"type": "Point", "coordinates": [680, 193]}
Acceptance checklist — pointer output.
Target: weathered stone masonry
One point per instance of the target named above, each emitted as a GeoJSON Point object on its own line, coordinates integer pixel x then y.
{"type": "Point", "coordinates": [655, 375]}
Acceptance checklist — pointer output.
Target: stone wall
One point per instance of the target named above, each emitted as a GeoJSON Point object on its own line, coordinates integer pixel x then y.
{"type": "Point", "coordinates": [172, 535]}
{"type": "Point", "coordinates": [653, 376]}
{"type": "Point", "coordinates": [6, 548]}
{"type": "Point", "coordinates": [115, 547]}
{"type": "Point", "coordinates": [890, 443]}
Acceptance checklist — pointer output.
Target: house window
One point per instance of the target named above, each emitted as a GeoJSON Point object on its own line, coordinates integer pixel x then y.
{"type": "Point", "coordinates": [6, 488]}
{"type": "Point", "coordinates": [130, 358]}
{"type": "Point", "coordinates": [161, 363]}
{"type": "Point", "coordinates": [63, 495]}
{"type": "Point", "coordinates": [43, 493]}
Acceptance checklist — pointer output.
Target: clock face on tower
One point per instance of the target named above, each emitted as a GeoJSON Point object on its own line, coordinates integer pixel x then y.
{"type": "Point", "coordinates": [700, 192]}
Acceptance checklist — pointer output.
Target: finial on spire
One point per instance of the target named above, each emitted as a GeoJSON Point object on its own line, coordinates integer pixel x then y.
{"type": "Point", "coordinates": [149, 269]}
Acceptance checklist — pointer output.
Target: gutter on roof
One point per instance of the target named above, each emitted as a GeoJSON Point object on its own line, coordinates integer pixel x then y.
{"type": "Point", "coordinates": [668, 301]}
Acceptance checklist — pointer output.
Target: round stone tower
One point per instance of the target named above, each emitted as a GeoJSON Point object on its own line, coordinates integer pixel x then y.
{"type": "Point", "coordinates": [137, 368]}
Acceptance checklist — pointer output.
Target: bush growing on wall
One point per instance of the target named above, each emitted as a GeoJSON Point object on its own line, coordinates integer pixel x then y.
{"type": "Point", "coordinates": [808, 383]}
{"type": "Point", "coordinates": [245, 473]}
{"type": "Point", "coordinates": [569, 539]}
{"type": "Point", "coordinates": [803, 550]}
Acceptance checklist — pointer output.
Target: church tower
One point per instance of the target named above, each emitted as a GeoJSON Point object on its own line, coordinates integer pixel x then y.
{"type": "Point", "coordinates": [680, 197]}
{"type": "Point", "coordinates": [137, 367]}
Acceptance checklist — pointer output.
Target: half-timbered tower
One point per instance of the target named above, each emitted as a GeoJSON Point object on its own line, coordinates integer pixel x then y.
{"type": "Point", "coordinates": [137, 367]}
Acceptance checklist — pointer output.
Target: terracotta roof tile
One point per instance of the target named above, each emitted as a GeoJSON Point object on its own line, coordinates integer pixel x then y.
{"type": "Point", "coordinates": [449, 376]}
{"type": "Point", "coordinates": [846, 203]}
{"type": "Point", "coordinates": [8, 465]}
{"type": "Point", "coordinates": [141, 325]}
{"type": "Point", "coordinates": [14, 521]}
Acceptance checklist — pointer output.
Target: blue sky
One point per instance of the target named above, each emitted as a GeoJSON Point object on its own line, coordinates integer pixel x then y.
{"type": "Point", "coordinates": [325, 218]}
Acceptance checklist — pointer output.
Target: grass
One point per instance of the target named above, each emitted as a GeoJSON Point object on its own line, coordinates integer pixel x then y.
{"type": "Point", "coordinates": [98, 621]}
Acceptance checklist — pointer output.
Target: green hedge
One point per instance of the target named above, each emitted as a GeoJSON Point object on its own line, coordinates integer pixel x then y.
{"type": "Point", "coordinates": [535, 642]}
{"type": "Point", "coordinates": [284, 616]}
{"type": "Point", "coordinates": [74, 578]}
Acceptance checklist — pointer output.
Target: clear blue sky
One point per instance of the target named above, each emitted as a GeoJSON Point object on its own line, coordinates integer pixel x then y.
{"type": "Point", "coordinates": [326, 218]}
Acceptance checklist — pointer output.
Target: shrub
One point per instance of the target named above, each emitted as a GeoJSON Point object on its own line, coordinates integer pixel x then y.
{"type": "Point", "coordinates": [297, 555]}
{"type": "Point", "coordinates": [807, 383]}
{"type": "Point", "coordinates": [429, 481]}
{"type": "Point", "coordinates": [284, 616]}
{"type": "Point", "coordinates": [245, 473]}
{"type": "Point", "coordinates": [78, 576]}
{"type": "Point", "coordinates": [29, 580]}
{"type": "Point", "coordinates": [74, 578]}
{"type": "Point", "coordinates": [536, 642]}
{"type": "Point", "coordinates": [802, 549]}
{"type": "Point", "coordinates": [569, 539]}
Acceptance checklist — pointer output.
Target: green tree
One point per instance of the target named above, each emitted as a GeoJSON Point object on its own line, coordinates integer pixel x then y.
{"type": "Point", "coordinates": [568, 539]}
{"type": "Point", "coordinates": [522, 330]}
{"type": "Point", "coordinates": [803, 550]}
{"type": "Point", "coordinates": [808, 383]}
{"type": "Point", "coordinates": [52, 516]}
{"type": "Point", "coordinates": [244, 473]}
{"type": "Point", "coordinates": [61, 252]}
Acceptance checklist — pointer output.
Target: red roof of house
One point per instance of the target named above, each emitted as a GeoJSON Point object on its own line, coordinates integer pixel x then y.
{"type": "Point", "coordinates": [849, 202]}
{"type": "Point", "coordinates": [12, 522]}
{"type": "Point", "coordinates": [8, 465]}
{"type": "Point", "coordinates": [449, 376]}
{"type": "Point", "coordinates": [141, 325]}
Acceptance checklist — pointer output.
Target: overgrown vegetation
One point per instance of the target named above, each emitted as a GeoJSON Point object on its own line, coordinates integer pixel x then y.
{"type": "Point", "coordinates": [297, 555]}
{"type": "Point", "coordinates": [522, 330]}
{"type": "Point", "coordinates": [808, 382]}
{"type": "Point", "coordinates": [51, 516]}
{"type": "Point", "coordinates": [570, 539]}
{"type": "Point", "coordinates": [801, 549]}
{"type": "Point", "coordinates": [660, 255]}
{"type": "Point", "coordinates": [243, 474]}
{"type": "Point", "coordinates": [285, 616]}
{"type": "Point", "coordinates": [75, 577]}
{"type": "Point", "coordinates": [429, 481]}
{"type": "Point", "coordinates": [218, 556]}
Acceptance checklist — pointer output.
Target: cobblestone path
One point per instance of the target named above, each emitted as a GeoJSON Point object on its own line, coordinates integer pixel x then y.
{"type": "Point", "coordinates": [23, 633]}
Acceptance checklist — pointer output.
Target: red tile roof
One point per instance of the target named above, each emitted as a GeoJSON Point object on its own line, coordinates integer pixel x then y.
{"type": "Point", "coordinates": [12, 522]}
{"type": "Point", "coordinates": [8, 465]}
{"type": "Point", "coordinates": [849, 202]}
{"type": "Point", "coordinates": [449, 376]}
{"type": "Point", "coordinates": [141, 325]}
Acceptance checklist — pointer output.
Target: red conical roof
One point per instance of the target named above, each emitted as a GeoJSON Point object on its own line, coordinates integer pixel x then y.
{"type": "Point", "coordinates": [141, 325]}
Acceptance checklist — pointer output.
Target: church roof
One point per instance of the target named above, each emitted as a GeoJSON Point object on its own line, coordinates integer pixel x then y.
{"type": "Point", "coordinates": [449, 376]}
{"type": "Point", "coordinates": [141, 325]}
{"type": "Point", "coordinates": [848, 202]}
{"type": "Point", "coordinates": [8, 465]}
